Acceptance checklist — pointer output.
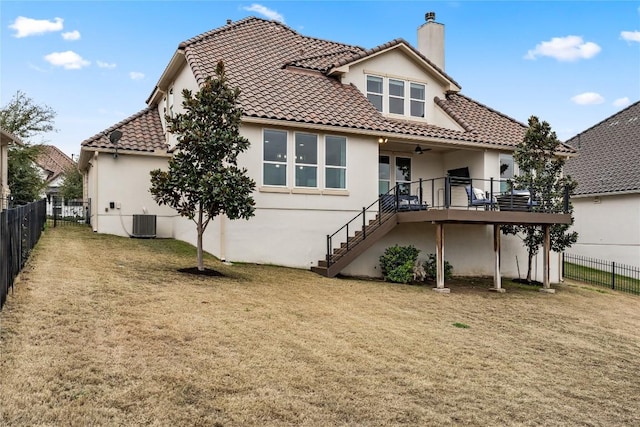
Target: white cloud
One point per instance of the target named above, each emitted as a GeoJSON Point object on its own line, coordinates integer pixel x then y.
{"type": "Point", "coordinates": [135, 75]}
{"type": "Point", "coordinates": [265, 11]}
{"type": "Point", "coordinates": [69, 60]}
{"type": "Point", "coordinates": [621, 102]}
{"type": "Point", "coordinates": [26, 27]}
{"type": "Point", "coordinates": [569, 48]}
{"type": "Point", "coordinates": [588, 98]}
{"type": "Point", "coordinates": [630, 36]}
{"type": "Point", "coordinates": [103, 64]}
{"type": "Point", "coordinates": [71, 35]}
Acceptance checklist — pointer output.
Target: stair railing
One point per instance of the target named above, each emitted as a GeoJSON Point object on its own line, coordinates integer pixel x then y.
{"type": "Point", "coordinates": [385, 204]}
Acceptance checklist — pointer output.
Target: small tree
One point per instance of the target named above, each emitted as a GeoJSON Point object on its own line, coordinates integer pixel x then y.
{"type": "Point", "coordinates": [541, 174]}
{"type": "Point", "coordinates": [25, 119]}
{"type": "Point", "coordinates": [25, 181]}
{"type": "Point", "coordinates": [71, 187]}
{"type": "Point", "coordinates": [203, 179]}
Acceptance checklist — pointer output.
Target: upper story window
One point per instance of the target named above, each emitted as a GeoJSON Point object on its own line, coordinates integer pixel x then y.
{"type": "Point", "coordinates": [396, 96]}
{"type": "Point", "coordinates": [417, 95]}
{"type": "Point", "coordinates": [400, 97]}
{"type": "Point", "coordinates": [335, 162]}
{"type": "Point", "coordinates": [170, 103]}
{"type": "Point", "coordinates": [275, 157]}
{"type": "Point", "coordinates": [374, 91]}
{"type": "Point", "coordinates": [306, 160]}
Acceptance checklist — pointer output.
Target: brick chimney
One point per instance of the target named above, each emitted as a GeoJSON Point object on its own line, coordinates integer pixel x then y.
{"type": "Point", "coordinates": [431, 40]}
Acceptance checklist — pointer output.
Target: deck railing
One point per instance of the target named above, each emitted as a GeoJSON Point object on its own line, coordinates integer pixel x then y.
{"type": "Point", "coordinates": [448, 192]}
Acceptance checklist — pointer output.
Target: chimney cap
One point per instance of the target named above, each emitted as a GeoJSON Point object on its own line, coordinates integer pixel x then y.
{"type": "Point", "coordinates": [430, 16]}
{"type": "Point", "coordinates": [229, 21]}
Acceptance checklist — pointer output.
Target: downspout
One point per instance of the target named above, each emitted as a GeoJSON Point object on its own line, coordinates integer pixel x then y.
{"type": "Point", "coordinates": [94, 204]}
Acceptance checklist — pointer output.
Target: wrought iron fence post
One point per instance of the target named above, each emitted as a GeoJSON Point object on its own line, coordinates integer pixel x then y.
{"type": "Point", "coordinates": [55, 212]}
{"type": "Point", "coordinates": [613, 275]}
{"type": "Point", "coordinates": [420, 191]}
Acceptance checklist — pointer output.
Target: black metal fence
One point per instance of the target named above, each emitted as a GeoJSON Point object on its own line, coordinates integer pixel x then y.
{"type": "Point", "coordinates": [20, 230]}
{"type": "Point", "coordinates": [598, 272]}
{"type": "Point", "coordinates": [64, 213]}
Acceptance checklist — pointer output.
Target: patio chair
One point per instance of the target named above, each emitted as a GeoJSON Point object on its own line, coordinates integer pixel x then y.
{"type": "Point", "coordinates": [477, 198]}
{"type": "Point", "coordinates": [516, 200]}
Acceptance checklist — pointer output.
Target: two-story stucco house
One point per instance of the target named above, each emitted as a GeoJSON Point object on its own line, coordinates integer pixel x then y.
{"type": "Point", "coordinates": [607, 200]}
{"type": "Point", "coordinates": [338, 133]}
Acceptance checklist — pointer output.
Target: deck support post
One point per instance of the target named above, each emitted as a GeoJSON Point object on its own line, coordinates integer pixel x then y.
{"type": "Point", "coordinates": [497, 278]}
{"type": "Point", "coordinates": [546, 287]}
{"type": "Point", "coordinates": [440, 259]}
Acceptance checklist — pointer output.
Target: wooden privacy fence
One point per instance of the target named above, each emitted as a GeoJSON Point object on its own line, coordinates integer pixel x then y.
{"type": "Point", "coordinates": [20, 230]}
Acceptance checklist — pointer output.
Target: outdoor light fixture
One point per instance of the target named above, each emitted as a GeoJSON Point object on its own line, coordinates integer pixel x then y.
{"type": "Point", "coordinates": [382, 140]}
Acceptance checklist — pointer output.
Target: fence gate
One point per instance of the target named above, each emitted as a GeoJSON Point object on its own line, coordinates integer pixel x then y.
{"type": "Point", "coordinates": [64, 213]}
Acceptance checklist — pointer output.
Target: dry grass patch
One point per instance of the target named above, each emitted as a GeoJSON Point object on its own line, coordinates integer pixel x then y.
{"type": "Point", "coordinates": [104, 331]}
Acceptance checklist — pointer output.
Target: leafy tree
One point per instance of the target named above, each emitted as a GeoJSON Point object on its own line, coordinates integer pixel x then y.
{"type": "Point", "coordinates": [71, 187]}
{"type": "Point", "coordinates": [25, 119]}
{"type": "Point", "coordinates": [541, 174]}
{"type": "Point", "coordinates": [25, 181]}
{"type": "Point", "coordinates": [203, 179]}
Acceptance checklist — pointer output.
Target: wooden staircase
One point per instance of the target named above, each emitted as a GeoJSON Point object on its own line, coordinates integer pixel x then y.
{"type": "Point", "coordinates": [355, 245]}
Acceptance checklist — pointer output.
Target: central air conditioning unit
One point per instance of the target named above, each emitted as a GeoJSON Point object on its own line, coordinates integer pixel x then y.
{"type": "Point", "coordinates": [144, 226]}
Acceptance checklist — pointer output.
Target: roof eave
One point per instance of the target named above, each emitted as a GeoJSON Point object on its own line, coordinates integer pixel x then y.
{"type": "Point", "coordinates": [175, 65]}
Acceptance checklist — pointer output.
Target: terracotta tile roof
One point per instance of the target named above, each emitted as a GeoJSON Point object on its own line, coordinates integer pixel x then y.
{"type": "Point", "coordinates": [140, 132]}
{"type": "Point", "coordinates": [259, 56]}
{"type": "Point", "coordinates": [608, 154]}
{"type": "Point", "coordinates": [392, 43]}
{"type": "Point", "coordinates": [53, 161]}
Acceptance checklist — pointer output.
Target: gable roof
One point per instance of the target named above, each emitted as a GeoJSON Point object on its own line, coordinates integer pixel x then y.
{"type": "Point", "coordinates": [261, 58]}
{"type": "Point", "coordinates": [140, 132]}
{"type": "Point", "coordinates": [608, 155]}
{"type": "Point", "coordinates": [53, 161]}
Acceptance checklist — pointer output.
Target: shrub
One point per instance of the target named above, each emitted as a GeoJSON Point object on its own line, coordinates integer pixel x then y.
{"type": "Point", "coordinates": [430, 268]}
{"type": "Point", "coordinates": [397, 263]}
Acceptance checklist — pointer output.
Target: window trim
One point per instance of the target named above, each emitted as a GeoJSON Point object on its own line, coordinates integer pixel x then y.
{"type": "Point", "coordinates": [272, 162]}
{"type": "Point", "coordinates": [327, 166]}
{"type": "Point", "coordinates": [386, 95]}
{"type": "Point", "coordinates": [297, 164]}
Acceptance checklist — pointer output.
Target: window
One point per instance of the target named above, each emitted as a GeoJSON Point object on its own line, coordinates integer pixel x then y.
{"type": "Point", "coordinates": [335, 162]}
{"type": "Point", "coordinates": [374, 91]}
{"type": "Point", "coordinates": [396, 96]}
{"type": "Point", "coordinates": [403, 174]}
{"type": "Point", "coordinates": [402, 97]}
{"type": "Point", "coordinates": [306, 160]}
{"type": "Point", "coordinates": [417, 99]}
{"type": "Point", "coordinates": [384, 174]}
{"type": "Point", "coordinates": [507, 171]}
{"type": "Point", "coordinates": [170, 112]}
{"type": "Point", "coordinates": [275, 158]}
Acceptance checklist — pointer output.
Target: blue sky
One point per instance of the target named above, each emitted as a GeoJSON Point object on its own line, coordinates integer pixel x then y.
{"type": "Point", "coordinates": [571, 63]}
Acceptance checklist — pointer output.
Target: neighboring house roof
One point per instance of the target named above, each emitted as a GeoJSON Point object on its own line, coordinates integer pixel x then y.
{"type": "Point", "coordinates": [608, 158]}
{"type": "Point", "coordinates": [53, 161]}
{"type": "Point", "coordinates": [140, 132]}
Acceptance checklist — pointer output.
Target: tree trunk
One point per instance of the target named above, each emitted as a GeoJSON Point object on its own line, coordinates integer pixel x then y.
{"type": "Point", "coordinates": [529, 267]}
{"type": "Point", "coordinates": [200, 232]}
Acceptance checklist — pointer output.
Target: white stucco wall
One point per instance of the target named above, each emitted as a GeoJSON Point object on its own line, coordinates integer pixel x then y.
{"type": "Point", "coordinates": [399, 65]}
{"type": "Point", "coordinates": [184, 80]}
{"type": "Point", "coordinates": [125, 181]}
{"type": "Point", "coordinates": [608, 228]}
